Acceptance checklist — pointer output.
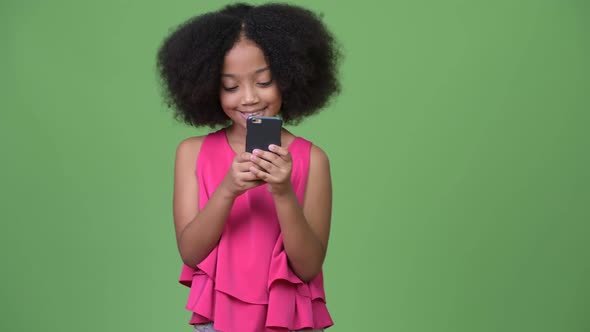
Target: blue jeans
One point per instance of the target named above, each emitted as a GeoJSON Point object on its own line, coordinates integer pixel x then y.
{"type": "Point", "coordinates": [208, 327]}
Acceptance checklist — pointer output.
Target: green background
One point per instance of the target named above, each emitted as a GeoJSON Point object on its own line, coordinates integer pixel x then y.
{"type": "Point", "coordinates": [459, 150]}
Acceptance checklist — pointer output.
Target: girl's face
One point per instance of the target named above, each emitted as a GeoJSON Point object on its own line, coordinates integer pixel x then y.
{"type": "Point", "coordinates": [247, 85]}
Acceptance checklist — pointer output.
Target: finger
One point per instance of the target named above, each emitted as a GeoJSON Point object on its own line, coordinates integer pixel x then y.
{"type": "Point", "coordinates": [248, 177]}
{"type": "Point", "coordinates": [243, 157]}
{"type": "Point", "coordinates": [281, 151]}
{"type": "Point", "coordinates": [262, 164]}
{"type": "Point", "coordinates": [245, 166]}
{"type": "Point", "coordinates": [268, 156]}
{"type": "Point", "coordinates": [262, 175]}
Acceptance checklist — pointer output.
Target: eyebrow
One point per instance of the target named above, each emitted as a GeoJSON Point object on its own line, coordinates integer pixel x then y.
{"type": "Point", "coordinates": [256, 72]}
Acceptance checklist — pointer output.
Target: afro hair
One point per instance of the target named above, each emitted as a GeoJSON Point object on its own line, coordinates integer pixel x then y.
{"type": "Point", "coordinates": [302, 55]}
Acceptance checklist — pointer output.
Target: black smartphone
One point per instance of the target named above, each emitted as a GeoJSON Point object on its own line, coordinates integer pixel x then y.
{"type": "Point", "coordinates": [262, 131]}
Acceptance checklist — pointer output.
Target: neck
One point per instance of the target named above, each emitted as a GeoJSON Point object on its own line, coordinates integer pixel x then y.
{"type": "Point", "coordinates": [236, 133]}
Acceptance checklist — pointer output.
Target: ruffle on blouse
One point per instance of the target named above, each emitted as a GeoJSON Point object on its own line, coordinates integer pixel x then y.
{"type": "Point", "coordinates": [292, 304]}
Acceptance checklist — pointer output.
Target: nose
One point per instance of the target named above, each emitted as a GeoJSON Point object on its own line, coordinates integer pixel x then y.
{"type": "Point", "coordinates": [250, 97]}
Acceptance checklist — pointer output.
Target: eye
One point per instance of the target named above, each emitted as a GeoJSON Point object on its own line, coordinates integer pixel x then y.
{"type": "Point", "coordinates": [230, 89]}
{"type": "Point", "coordinates": [265, 84]}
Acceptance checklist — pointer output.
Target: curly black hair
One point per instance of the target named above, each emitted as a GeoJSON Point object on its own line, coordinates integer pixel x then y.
{"type": "Point", "coordinates": [302, 54]}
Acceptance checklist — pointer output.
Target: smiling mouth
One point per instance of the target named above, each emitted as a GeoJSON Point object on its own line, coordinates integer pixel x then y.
{"type": "Point", "coordinates": [246, 115]}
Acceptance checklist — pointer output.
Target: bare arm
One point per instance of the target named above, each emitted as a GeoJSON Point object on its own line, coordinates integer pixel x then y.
{"type": "Point", "coordinates": [198, 232]}
{"type": "Point", "coordinates": [305, 229]}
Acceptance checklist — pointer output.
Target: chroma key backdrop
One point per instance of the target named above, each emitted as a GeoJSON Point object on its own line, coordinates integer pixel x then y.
{"type": "Point", "coordinates": [459, 150]}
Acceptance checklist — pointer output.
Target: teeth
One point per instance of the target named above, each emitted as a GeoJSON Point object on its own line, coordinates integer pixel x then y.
{"type": "Point", "coordinates": [251, 114]}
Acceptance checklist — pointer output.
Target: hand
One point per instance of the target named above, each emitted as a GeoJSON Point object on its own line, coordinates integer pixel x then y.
{"type": "Point", "coordinates": [239, 178]}
{"type": "Point", "coordinates": [273, 168]}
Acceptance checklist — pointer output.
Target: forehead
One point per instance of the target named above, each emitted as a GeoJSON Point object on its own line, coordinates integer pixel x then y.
{"type": "Point", "coordinates": [245, 58]}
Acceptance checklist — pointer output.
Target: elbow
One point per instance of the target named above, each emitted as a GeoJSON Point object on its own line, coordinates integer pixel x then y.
{"type": "Point", "coordinates": [190, 259]}
{"type": "Point", "coordinates": [308, 273]}
{"type": "Point", "coordinates": [307, 268]}
{"type": "Point", "coordinates": [189, 262]}
{"type": "Point", "coordinates": [307, 277]}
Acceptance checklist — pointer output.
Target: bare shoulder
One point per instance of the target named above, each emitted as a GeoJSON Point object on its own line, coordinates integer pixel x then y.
{"type": "Point", "coordinates": [318, 158]}
{"type": "Point", "coordinates": [190, 146]}
{"type": "Point", "coordinates": [319, 169]}
{"type": "Point", "coordinates": [188, 151]}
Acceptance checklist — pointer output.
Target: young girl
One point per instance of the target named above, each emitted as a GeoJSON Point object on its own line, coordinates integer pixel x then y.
{"type": "Point", "coordinates": [252, 228]}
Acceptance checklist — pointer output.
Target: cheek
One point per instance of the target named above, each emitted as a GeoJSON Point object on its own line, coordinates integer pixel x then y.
{"type": "Point", "coordinates": [274, 96]}
{"type": "Point", "coordinates": [228, 100]}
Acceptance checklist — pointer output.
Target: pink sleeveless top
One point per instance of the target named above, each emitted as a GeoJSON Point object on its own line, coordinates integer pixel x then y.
{"type": "Point", "coordinates": [246, 284]}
